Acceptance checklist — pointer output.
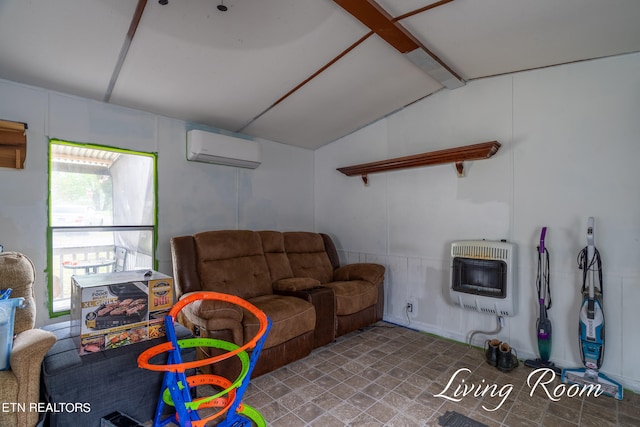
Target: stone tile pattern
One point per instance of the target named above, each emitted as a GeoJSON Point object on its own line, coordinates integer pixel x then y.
{"type": "Point", "coordinates": [389, 375]}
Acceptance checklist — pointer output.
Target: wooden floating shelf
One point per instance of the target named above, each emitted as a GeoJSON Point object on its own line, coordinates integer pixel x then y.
{"type": "Point", "coordinates": [456, 155]}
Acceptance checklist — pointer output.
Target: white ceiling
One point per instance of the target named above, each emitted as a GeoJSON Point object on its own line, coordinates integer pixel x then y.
{"type": "Point", "coordinates": [266, 67]}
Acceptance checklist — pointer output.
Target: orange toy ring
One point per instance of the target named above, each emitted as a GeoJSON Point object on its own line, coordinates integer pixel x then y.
{"type": "Point", "coordinates": [143, 359]}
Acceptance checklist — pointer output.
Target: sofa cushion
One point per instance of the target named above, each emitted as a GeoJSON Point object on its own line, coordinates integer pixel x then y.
{"type": "Point", "coordinates": [232, 262]}
{"type": "Point", "coordinates": [353, 296]}
{"type": "Point", "coordinates": [307, 255]}
{"type": "Point", "coordinates": [273, 247]}
{"type": "Point", "coordinates": [290, 318]}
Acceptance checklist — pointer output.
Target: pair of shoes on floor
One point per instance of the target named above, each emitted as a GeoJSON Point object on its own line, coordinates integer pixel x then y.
{"type": "Point", "coordinates": [501, 355]}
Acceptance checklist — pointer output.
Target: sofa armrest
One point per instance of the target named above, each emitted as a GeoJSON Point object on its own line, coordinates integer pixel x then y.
{"type": "Point", "coordinates": [211, 309]}
{"type": "Point", "coordinates": [294, 284]}
{"type": "Point", "coordinates": [373, 273]}
{"type": "Point", "coordinates": [214, 315]}
{"type": "Point", "coordinates": [27, 354]}
{"type": "Point", "coordinates": [324, 302]}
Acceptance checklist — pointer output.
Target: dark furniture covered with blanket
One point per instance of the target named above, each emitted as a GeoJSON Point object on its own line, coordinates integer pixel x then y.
{"type": "Point", "coordinates": [80, 390]}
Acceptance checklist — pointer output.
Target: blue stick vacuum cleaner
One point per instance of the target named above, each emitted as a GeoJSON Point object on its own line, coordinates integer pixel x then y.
{"type": "Point", "coordinates": [543, 325]}
{"type": "Point", "coordinates": [591, 324]}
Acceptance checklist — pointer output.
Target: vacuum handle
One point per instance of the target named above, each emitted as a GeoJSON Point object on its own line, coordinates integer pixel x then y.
{"type": "Point", "coordinates": [590, 239]}
{"type": "Point", "coordinates": [591, 253]}
{"type": "Point", "coordinates": [542, 236]}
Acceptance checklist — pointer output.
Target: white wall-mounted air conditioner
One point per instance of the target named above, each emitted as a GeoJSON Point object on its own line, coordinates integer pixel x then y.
{"type": "Point", "coordinates": [209, 147]}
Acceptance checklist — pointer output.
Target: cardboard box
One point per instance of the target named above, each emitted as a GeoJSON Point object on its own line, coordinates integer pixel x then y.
{"type": "Point", "coordinates": [116, 309]}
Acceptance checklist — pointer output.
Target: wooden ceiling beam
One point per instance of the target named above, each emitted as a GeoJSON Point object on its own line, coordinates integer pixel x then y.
{"type": "Point", "coordinates": [380, 22]}
{"type": "Point", "coordinates": [390, 30]}
{"type": "Point", "coordinates": [387, 26]}
{"type": "Point", "coordinates": [133, 27]}
{"type": "Point", "coordinates": [421, 9]}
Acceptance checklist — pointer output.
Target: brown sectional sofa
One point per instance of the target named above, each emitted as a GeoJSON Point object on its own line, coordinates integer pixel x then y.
{"type": "Point", "coordinates": [294, 277]}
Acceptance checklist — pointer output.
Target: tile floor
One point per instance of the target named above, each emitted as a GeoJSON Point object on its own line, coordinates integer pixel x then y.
{"type": "Point", "coordinates": [388, 375]}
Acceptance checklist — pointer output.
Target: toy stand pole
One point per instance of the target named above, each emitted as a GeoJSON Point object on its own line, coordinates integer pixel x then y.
{"type": "Point", "coordinates": [173, 380]}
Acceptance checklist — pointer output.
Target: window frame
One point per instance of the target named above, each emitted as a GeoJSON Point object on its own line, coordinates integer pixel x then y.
{"type": "Point", "coordinates": [50, 228]}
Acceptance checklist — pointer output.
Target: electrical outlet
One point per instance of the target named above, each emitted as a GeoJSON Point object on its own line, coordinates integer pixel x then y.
{"type": "Point", "coordinates": [411, 307]}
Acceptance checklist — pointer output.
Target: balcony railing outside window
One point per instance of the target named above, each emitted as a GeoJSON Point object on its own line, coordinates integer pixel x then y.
{"type": "Point", "coordinates": [91, 252]}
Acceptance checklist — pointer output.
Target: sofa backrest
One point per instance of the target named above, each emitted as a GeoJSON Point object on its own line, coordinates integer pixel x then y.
{"type": "Point", "coordinates": [246, 263]}
{"type": "Point", "coordinates": [185, 265]}
{"type": "Point", "coordinates": [275, 255]}
{"type": "Point", "coordinates": [232, 262]}
{"type": "Point", "coordinates": [307, 255]}
{"type": "Point", "coordinates": [331, 250]}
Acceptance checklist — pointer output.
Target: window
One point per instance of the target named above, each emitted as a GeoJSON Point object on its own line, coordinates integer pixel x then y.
{"type": "Point", "coordinates": [102, 214]}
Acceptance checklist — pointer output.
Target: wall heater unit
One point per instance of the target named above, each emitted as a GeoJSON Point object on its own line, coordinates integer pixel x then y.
{"type": "Point", "coordinates": [209, 147]}
{"type": "Point", "coordinates": [482, 276]}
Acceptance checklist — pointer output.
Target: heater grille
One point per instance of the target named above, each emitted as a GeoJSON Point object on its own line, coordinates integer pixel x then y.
{"type": "Point", "coordinates": [487, 310]}
{"type": "Point", "coordinates": [482, 251]}
{"type": "Point", "coordinates": [482, 273]}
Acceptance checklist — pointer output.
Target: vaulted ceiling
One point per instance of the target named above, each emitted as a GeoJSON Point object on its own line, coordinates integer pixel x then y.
{"type": "Point", "coordinates": [301, 72]}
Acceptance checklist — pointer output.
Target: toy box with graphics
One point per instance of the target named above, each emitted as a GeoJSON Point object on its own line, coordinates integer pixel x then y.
{"type": "Point", "coordinates": [116, 309]}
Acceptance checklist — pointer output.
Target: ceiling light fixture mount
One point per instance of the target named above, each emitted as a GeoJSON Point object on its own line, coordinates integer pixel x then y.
{"type": "Point", "coordinates": [222, 7]}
